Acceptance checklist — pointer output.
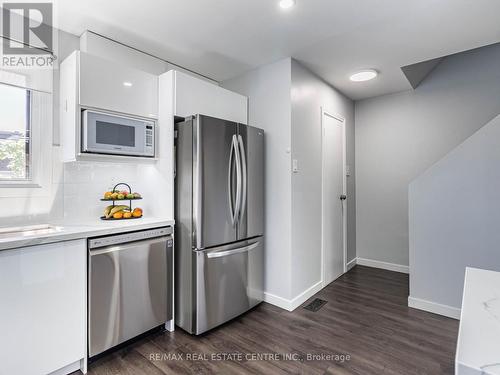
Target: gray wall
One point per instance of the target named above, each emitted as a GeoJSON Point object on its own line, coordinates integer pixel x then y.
{"type": "Point", "coordinates": [285, 100]}
{"type": "Point", "coordinates": [399, 136]}
{"type": "Point", "coordinates": [269, 108]}
{"type": "Point", "coordinates": [454, 218]}
{"type": "Point", "coordinates": [309, 93]}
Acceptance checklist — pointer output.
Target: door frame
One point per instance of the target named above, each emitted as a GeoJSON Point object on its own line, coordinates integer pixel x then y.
{"type": "Point", "coordinates": [324, 112]}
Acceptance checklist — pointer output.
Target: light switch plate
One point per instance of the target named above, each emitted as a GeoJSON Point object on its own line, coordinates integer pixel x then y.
{"type": "Point", "coordinates": [347, 170]}
{"type": "Point", "coordinates": [295, 166]}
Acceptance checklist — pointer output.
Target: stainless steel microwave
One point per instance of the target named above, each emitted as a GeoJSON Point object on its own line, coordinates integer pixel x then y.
{"type": "Point", "coordinates": [105, 133]}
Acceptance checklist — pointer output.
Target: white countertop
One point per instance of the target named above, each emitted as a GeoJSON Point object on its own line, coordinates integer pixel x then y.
{"type": "Point", "coordinates": [478, 347]}
{"type": "Point", "coordinates": [72, 231]}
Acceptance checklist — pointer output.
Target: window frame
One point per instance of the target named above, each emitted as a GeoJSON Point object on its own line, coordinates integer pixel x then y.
{"type": "Point", "coordinates": [40, 178]}
{"type": "Point", "coordinates": [30, 173]}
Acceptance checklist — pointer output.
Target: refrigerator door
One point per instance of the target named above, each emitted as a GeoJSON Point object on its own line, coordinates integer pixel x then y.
{"type": "Point", "coordinates": [229, 282]}
{"type": "Point", "coordinates": [251, 208]}
{"type": "Point", "coordinates": [216, 168]}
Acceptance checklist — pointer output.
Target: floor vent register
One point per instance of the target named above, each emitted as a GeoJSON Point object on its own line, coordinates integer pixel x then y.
{"type": "Point", "coordinates": [315, 305]}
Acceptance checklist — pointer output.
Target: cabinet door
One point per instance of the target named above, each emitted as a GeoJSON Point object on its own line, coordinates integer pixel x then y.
{"type": "Point", "coordinates": [43, 302]}
{"type": "Point", "coordinates": [108, 85]}
{"type": "Point", "coordinates": [195, 96]}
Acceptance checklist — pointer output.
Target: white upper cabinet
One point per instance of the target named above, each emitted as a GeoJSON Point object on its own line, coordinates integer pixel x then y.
{"type": "Point", "coordinates": [88, 81]}
{"type": "Point", "coordinates": [108, 85]}
{"type": "Point", "coordinates": [196, 96]}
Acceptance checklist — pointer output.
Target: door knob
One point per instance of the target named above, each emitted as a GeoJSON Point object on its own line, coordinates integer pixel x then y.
{"type": "Point", "coordinates": [343, 197]}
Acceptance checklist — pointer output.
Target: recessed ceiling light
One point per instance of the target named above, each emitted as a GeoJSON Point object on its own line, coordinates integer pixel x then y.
{"type": "Point", "coordinates": [363, 75]}
{"type": "Point", "coordinates": [128, 84]}
{"type": "Point", "coordinates": [287, 4]}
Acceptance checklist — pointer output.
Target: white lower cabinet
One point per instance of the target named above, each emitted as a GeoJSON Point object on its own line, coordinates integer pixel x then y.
{"type": "Point", "coordinates": [43, 308]}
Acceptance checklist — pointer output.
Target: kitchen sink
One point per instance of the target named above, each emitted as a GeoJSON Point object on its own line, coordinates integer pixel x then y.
{"type": "Point", "coordinates": [29, 230]}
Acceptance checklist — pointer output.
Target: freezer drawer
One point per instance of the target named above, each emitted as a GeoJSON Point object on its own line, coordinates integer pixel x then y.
{"type": "Point", "coordinates": [229, 282]}
{"type": "Point", "coordinates": [129, 291]}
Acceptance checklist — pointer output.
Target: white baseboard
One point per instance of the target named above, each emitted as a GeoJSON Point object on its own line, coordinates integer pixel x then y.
{"type": "Point", "coordinates": [350, 265]}
{"type": "Point", "coordinates": [292, 304]}
{"type": "Point", "coordinates": [305, 295]}
{"type": "Point", "coordinates": [277, 301]}
{"type": "Point", "coordinates": [433, 307]}
{"type": "Point", "coordinates": [383, 265]}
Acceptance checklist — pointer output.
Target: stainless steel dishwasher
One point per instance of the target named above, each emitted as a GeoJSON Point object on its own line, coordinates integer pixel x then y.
{"type": "Point", "coordinates": [130, 286]}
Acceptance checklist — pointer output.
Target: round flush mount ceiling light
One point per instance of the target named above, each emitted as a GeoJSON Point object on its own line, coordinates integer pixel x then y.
{"type": "Point", "coordinates": [287, 4]}
{"type": "Point", "coordinates": [364, 75]}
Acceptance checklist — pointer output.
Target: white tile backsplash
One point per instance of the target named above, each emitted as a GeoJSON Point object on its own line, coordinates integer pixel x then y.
{"type": "Point", "coordinates": [85, 183]}
{"type": "Point", "coordinates": [101, 172]}
{"type": "Point", "coordinates": [78, 187]}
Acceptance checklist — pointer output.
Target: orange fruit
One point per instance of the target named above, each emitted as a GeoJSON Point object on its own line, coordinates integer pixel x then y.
{"type": "Point", "coordinates": [127, 215]}
{"type": "Point", "coordinates": [137, 212]}
{"type": "Point", "coordinates": [118, 215]}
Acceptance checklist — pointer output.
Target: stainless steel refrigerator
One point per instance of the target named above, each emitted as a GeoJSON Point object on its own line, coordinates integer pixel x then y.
{"type": "Point", "coordinates": [219, 213]}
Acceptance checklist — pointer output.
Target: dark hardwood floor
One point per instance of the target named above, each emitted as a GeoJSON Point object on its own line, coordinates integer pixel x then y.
{"type": "Point", "coordinates": [366, 318]}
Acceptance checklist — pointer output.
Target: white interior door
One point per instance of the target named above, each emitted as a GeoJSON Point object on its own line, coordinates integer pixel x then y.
{"type": "Point", "coordinates": [333, 224]}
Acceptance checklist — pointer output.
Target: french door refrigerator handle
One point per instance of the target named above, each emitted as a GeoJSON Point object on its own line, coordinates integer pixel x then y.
{"type": "Point", "coordinates": [245, 176]}
{"type": "Point", "coordinates": [238, 178]}
{"type": "Point", "coordinates": [232, 209]}
{"type": "Point", "coordinates": [230, 183]}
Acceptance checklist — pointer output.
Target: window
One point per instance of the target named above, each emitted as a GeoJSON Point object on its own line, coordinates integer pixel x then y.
{"type": "Point", "coordinates": [15, 140]}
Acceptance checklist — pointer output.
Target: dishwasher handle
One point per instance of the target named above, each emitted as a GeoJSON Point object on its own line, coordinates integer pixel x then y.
{"type": "Point", "coordinates": [118, 239]}
{"type": "Point", "coordinates": [129, 245]}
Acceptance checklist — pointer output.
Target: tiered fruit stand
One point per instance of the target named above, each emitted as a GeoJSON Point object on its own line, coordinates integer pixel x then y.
{"type": "Point", "coordinates": [129, 206]}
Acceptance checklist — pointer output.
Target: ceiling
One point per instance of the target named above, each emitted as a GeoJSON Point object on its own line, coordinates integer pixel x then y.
{"type": "Point", "coordinates": [224, 38]}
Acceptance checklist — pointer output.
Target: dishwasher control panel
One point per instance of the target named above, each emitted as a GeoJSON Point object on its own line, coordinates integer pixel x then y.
{"type": "Point", "coordinates": [117, 239]}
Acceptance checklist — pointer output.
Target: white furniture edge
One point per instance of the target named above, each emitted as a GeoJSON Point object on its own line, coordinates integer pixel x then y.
{"type": "Point", "coordinates": [461, 367]}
